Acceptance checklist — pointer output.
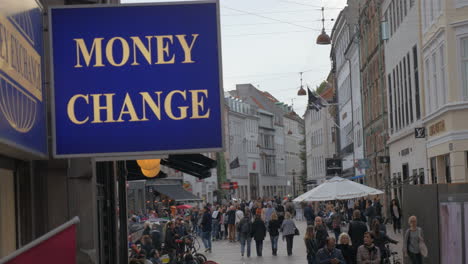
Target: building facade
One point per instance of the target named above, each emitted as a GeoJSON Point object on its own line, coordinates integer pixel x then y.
{"type": "Point", "coordinates": [342, 35]}
{"type": "Point", "coordinates": [408, 162]}
{"type": "Point", "coordinates": [267, 178]}
{"type": "Point", "coordinates": [444, 39]}
{"type": "Point", "coordinates": [321, 137]}
{"type": "Point", "coordinates": [374, 93]}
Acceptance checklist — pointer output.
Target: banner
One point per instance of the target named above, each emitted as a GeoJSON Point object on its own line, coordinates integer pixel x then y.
{"type": "Point", "coordinates": [136, 79]}
{"type": "Point", "coordinates": [22, 105]}
{"type": "Point", "coordinates": [56, 247]}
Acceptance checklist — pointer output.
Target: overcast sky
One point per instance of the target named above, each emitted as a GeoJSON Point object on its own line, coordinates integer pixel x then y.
{"type": "Point", "coordinates": [268, 42]}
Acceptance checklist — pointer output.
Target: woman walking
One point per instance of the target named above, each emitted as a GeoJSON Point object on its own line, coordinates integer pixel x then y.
{"type": "Point", "coordinates": [368, 253]}
{"type": "Point", "coordinates": [396, 216]}
{"type": "Point", "coordinates": [414, 246]}
{"type": "Point", "coordinates": [258, 233]}
{"type": "Point", "coordinates": [288, 228]}
{"type": "Point", "coordinates": [344, 244]}
{"type": "Point", "coordinates": [311, 245]}
{"type": "Point", "coordinates": [273, 228]}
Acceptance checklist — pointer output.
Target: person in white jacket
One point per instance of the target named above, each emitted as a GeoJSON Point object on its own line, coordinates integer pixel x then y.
{"type": "Point", "coordinates": [239, 217]}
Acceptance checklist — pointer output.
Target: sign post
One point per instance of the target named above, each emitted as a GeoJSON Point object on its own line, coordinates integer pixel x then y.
{"type": "Point", "coordinates": [142, 80]}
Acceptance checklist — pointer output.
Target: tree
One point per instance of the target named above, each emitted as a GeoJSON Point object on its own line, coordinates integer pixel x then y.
{"type": "Point", "coordinates": [303, 157]}
{"type": "Point", "coordinates": [221, 173]}
{"type": "Point", "coordinates": [319, 89]}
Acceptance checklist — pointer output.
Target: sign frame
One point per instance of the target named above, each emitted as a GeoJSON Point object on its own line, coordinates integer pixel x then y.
{"type": "Point", "coordinates": [113, 155]}
{"type": "Point", "coordinates": [24, 151]}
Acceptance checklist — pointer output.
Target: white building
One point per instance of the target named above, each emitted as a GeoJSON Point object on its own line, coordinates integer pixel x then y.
{"type": "Point", "coordinates": [407, 153]}
{"type": "Point", "coordinates": [265, 135]}
{"type": "Point", "coordinates": [352, 55]}
{"type": "Point", "coordinates": [320, 140]}
{"type": "Point", "coordinates": [342, 35]}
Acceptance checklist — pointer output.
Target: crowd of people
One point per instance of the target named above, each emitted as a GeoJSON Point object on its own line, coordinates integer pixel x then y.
{"type": "Point", "coordinates": [365, 240]}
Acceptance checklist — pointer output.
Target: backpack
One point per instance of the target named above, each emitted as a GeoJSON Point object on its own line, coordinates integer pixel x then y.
{"type": "Point", "coordinates": [245, 227]}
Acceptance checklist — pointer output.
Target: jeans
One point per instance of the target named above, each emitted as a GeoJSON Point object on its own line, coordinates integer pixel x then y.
{"type": "Point", "coordinates": [289, 243]}
{"type": "Point", "coordinates": [274, 242]}
{"type": "Point", "coordinates": [259, 247]}
{"type": "Point", "coordinates": [311, 259]}
{"type": "Point", "coordinates": [245, 239]}
{"type": "Point", "coordinates": [206, 237]}
{"type": "Point", "coordinates": [396, 224]}
{"type": "Point", "coordinates": [415, 258]}
{"type": "Point", "coordinates": [226, 228]}
{"type": "Point", "coordinates": [215, 229]}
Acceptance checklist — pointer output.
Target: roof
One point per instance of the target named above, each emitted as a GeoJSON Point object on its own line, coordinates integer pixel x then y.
{"type": "Point", "coordinates": [175, 192]}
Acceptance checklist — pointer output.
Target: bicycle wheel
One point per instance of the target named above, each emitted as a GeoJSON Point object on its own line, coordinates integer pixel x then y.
{"type": "Point", "coordinates": [201, 257]}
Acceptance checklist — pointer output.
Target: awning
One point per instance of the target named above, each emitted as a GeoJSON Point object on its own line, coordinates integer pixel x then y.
{"type": "Point", "coordinates": [357, 177]}
{"type": "Point", "coordinates": [175, 192]}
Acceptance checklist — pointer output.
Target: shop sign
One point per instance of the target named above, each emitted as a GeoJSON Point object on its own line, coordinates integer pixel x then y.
{"type": "Point", "coordinates": [136, 79]}
{"type": "Point", "coordinates": [420, 132]}
{"type": "Point", "coordinates": [437, 128]}
{"type": "Point", "coordinates": [333, 167]}
{"type": "Point", "coordinates": [22, 105]}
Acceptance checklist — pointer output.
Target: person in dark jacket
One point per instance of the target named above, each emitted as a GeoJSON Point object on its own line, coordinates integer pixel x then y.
{"type": "Point", "coordinates": [170, 241]}
{"type": "Point", "coordinates": [395, 210]}
{"type": "Point", "coordinates": [370, 213]}
{"type": "Point", "coordinates": [258, 233]}
{"type": "Point", "coordinates": [206, 229]}
{"type": "Point", "coordinates": [356, 230]}
{"type": "Point", "coordinates": [231, 214]}
{"type": "Point", "coordinates": [380, 239]}
{"type": "Point", "coordinates": [244, 228]}
{"type": "Point", "coordinates": [309, 214]}
{"type": "Point", "coordinates": [329, 254]}
{"type": "Point", "coordinates": [321, 233]}
{"type": "Point", "coordinates": [147, 229]}
{"type": "Point", "coordinates": [147, 244]}
{"type": "Point", "coordinates": [311, 245]}
{"type": "Point", "coordinates": [344, 244]}
{"type": "Point", "coordinates": [273, 228]}
{"type": "Point", "coordinates": [156, 237]}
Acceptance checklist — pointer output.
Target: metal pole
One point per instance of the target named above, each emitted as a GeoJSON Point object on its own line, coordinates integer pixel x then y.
{"type": "Point", "coordinates": [122, 189]}
{"type": "Point", "coordinates": [294, 182]}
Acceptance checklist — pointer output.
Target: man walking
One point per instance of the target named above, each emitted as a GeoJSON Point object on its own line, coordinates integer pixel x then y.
{"type": "Point", "coordinates": [232, 224]}
{"type": "Point", "coordinates": [309, 214]}
{"type": "Point", "coordinates": [239, 217]}
{"type": "Point", "coordinates": [206, 229]}
{"type": "Point", "coordinates": [356, 230]}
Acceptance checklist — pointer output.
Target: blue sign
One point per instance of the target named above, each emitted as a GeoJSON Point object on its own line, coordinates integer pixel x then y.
{"type": "Point", "coordinates": [23, 128]}
{"type": "Point", "coordinates": [137, 80]}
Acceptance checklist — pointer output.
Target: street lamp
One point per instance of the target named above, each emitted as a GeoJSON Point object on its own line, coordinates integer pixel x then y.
{"type": "Point", "coordinates": [301, 91]}
{"type": "Point", "coordinates": [323, 38]}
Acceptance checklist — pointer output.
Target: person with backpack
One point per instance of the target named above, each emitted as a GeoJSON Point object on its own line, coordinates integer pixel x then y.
{"type": "Point", "coordinates": [245, 229]}
{"type": "Point", "coordinates": [258, 234]}
{"type": "Point", "coordinates": [273, 228]}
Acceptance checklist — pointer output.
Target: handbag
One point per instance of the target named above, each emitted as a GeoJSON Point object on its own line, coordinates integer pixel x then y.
{"type": "Point", "coordinates": [296, 231]}
{"type": "Point", "coordinates": [422, 246]}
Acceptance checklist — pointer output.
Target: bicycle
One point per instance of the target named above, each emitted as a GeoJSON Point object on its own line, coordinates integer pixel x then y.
{"type": "Point", "coordinates": [392, 256]}
{"type": "Point", "coordinates": [192, 247]}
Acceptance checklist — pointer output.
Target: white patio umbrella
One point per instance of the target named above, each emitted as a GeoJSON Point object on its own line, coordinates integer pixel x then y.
{"type": "Point", "coordinates": [337, 188]}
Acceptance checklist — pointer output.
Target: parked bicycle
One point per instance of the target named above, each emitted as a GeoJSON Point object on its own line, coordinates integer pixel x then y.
{"type": "Point", "coordinates": [392, 256]}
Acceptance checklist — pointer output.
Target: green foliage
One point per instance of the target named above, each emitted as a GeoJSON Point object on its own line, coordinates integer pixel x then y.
{"type": "Point", "coordinates": [319, 89]}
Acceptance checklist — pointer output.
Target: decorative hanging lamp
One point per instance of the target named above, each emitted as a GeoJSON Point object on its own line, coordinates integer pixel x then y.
{"type": "Point", "coordinates": [323, 38]}
{"type": "Point", "coordinates": [149, 164]}
{"type": "Point", "coordinates": [301, 91]}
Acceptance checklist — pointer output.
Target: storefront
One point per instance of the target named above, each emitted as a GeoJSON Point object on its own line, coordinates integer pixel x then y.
{"type": "Point", "coordinates": [447, 148]}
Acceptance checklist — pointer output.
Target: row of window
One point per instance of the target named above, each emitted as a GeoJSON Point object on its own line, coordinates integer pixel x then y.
{"type": "Point", "coordinates": [344, 92]}
{"type": "Point", "coordinates": [317, 137]}
{"type": "Point", "coordinates": [434, 77]}
{"type": "Point", "coordinates": [431, 10]}
{"type": "Point", "coordinates": [318, 166]}
{"type": "Point", "coordinates": [396, 13]}
{"type": "Point", "coordinates": [400, 92]}
{"type": "Point", "coordinates": [268, 165]}
{"type": "Point", "coordinates": [267, 141]}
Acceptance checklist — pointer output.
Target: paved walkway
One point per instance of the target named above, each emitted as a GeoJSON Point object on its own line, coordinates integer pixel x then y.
{"type": "Point", "coordinates": [225, 252]}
